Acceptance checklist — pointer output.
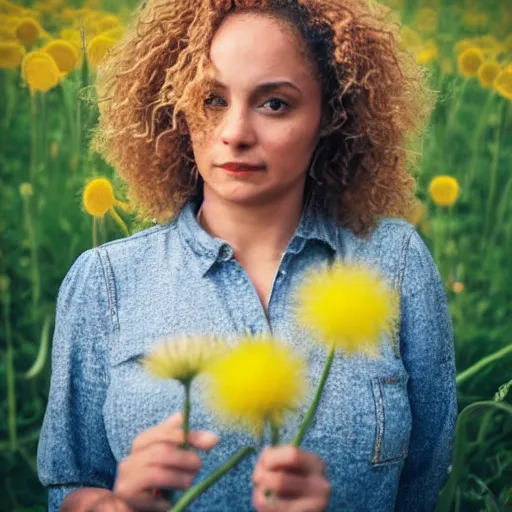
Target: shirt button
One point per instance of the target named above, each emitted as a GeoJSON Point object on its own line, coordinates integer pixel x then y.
{"type": "Point", "coordinates": [225, 253]}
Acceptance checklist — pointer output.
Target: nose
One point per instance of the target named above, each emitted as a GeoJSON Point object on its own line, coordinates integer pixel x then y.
{"type": "Point", "coordinates": [237, 129]}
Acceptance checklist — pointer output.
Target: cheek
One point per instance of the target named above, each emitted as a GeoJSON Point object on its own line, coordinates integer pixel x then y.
{"type": "Point", "coordinates": [289, 147]}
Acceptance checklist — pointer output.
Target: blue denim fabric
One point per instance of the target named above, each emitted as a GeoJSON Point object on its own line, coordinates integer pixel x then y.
{"type": "Point", "coordinates": [384, 427]}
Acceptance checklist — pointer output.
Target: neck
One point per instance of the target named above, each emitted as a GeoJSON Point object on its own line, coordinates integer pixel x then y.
{"type": "Point", "coordinates": [256, 231]}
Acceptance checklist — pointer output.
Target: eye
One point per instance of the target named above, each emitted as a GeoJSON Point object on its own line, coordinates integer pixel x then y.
{"type": "Point", "coordinates": [214, 101]}
{"type": "Point", "coordinates": [276, 103]}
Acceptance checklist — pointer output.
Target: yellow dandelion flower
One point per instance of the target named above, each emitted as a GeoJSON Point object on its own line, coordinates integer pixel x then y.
{"type": "Point", "coordinates": [258, 381]}
{"type": "Point", "coordinates": [487, 41]}
{"type": "Point", "coordinates": [40, 71]}
{"type": "Point", "coordinates": [417, 214]}
{"type": "Point", "coordinates": [28, 31]}
{"type": "Point", "coordinates": [426, 20]}
{"type": "Point", "coordinates": [475, 19]}
{"type": "Point", "coordinates": [428, 53]}
{"type": "Point", "coordinates": [10, 7]}
{"type": "Point", "coordinates": [68, 15]}
{"type": "Point", "coordinates": [93, 4]}
{"type": "Point", "coordinates": [26, 190]}
{"type": "Point", "coordinates": [503, 82]}
{"type": "Point", "coordinates": [73, 36]}
{"type": "Point", "coordinates": [98, 198]}
{"type": "Point", "coordinates": [487, 73]}
{"type": "Point", "coordinates": [107, 22]}
{"type": "Point", "coordinates": [54, 150]}
{"type": "Point", "coordinates": [63, 53]}
{"type": "Point", "coordinates": [11, 54]}
{"type": "Point", "coordinates": [97, 49]}
{"type": "Point", "coordinates": [489, 45]}
{"type": "Point", "coordinates": [348, 306]}
{"type": "Point", "coordinates": [458, 287]}
{"type": "Point", "coordinates": [115, 33]}
{"type": "Point", "coordinates": [507, 43]}
{"type": "Point", "coordinates": [182, 358]}
{"type": "Point", "coordinates": [469, 61]}
{"type": "Point", "coordinates": [463, 44]}
{"type": "Point", "coordinates": [410, 39]}
{"type": "Point", "coordinates": [444, 190]}
{"type": "Point", "coordinates": [395, 4]}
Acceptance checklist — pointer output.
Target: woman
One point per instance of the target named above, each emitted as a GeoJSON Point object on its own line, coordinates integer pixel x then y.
{"type": "Point", "coordinates": [265, 137]}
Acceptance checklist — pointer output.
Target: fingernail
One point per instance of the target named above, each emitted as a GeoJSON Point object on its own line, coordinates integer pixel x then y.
{"type": "Point", "coordinates": [210, 437]}
{"type": "Point", "coordinates": [171, 419]}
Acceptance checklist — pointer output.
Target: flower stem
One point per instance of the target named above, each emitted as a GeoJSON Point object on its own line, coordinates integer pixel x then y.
{"type": "Point", "coordinates": [455, 108]}
{"type": "Point", "coordinates": [494, 176]}
{"type": "Point", "coordinates": [186, 414]}
{"type": "Point", "coordinates": [119, 221]}
{"type": "Point", "coordinates": [314, 405]}
{"type": "Point", "coordinates": [33, 136]}
{"type": "Point", "coordinates": [95, 231]}
{"type": "Point", "coordinates": [274, 429]}
{"type": "Point", "coordinates": [9, 365]}
{"type": "Point", "coordinates": [43, 132]}
{"type": "Point", "coordinates": [475, 368]}
{"type": "Point", "coordinates": [81, 107]}
{"type": "Point", "coordinates": [34, 269]}
{"type": "Point", "coordinates": [195, 491]}
{"type": "Point", "coordinates": [484, 115]}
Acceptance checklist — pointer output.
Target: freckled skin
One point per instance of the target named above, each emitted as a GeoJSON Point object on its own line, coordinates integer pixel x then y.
{"type": "Point", "coordinates": [257, 127]}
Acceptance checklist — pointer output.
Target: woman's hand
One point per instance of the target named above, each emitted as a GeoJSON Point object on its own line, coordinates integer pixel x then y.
{"type": "Point", "coordinates": [295, 478]}
{"type": "Point", "coordinates": [110, 503]}
{"type": "Point", "coordinates": [156, 461]}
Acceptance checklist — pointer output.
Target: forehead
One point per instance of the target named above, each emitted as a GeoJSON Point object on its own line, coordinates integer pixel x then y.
{"type": "Point", "coordinates": [251, 47]}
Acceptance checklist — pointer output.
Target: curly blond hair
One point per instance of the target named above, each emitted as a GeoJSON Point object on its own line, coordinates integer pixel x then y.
{"type": "Point", "coordinates": [375, 97]}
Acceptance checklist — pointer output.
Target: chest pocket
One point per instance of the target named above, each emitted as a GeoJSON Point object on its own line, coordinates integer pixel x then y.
{"type": "Point", "coordinates": [393, 419]}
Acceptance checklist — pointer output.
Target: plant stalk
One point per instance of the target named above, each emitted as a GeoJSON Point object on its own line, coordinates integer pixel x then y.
{"type": "Point", "coordinates": [482, 363]}
{"type": "Point", "coordinates": [314, 405]}
{"type": "Point", "coordinates": [195, 491]}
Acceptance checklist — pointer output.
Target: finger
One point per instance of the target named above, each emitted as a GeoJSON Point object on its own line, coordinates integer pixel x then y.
{"type": "Point", "coordinates": [262, 503]}
{"type": "Point", "coordinates": [166, 455]}
{"type": "Point", "coordinates": [292, 459]}
{"type": "Point", "coordinates": [130, 484]}
{"type": "Point", "coordinates": [313, 504]}
{"type": "Point", "coordinates": [111, 503]}
{"type": "Point", "coordinates": [176, 420]}
{"type": "Point", "coordinates": [149, 504]}
{"type": "Point", "coordinates": [282, 483]}
{"type": "Point", "coordinates": [202, 440]}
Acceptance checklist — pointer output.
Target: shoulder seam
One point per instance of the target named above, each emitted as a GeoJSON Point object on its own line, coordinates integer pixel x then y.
{"type": "Point", "coordinates": [141, 234]}
{"type": "Point", "coordinates": [110, 285]}
{"type": "Point", "coordinates": [402, 261]}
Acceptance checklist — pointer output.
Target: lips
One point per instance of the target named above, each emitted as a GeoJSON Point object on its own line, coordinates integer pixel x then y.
{"type": "Point", "coordinates": [240, 167]}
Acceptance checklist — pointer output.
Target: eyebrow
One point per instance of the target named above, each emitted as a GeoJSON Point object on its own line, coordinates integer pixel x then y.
{"type": "Point", "coordinates": [262, 88]}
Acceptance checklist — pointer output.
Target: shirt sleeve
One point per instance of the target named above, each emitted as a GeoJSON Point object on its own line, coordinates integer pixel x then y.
{"type": "Point", "coordinates": [427, 345]}
{"type": "Point", "coordinates": [73, 449]}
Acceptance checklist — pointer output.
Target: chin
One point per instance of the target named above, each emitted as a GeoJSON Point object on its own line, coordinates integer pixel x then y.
{"type": "Point", "coordinates": [245, 193]}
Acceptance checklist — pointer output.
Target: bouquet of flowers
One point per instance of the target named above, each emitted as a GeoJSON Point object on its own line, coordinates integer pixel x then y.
{"type": "Point", "coordinates": [260, 380]}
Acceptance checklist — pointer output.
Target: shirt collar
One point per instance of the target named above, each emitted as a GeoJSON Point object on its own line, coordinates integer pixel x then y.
{"type": "Point", "coordinates": [314, 224]}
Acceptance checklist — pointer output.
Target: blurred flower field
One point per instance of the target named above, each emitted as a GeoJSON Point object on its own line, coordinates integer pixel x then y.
{"type": "Point", "coordinates": [58, 198]}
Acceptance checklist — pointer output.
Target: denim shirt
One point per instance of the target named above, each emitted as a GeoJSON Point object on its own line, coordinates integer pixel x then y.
{"type": "Point", "coordinates": [384, 427]}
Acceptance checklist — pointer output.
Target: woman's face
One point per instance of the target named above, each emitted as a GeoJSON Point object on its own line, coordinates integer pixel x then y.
{"type": "Point", "coordinates": [266, 107]}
